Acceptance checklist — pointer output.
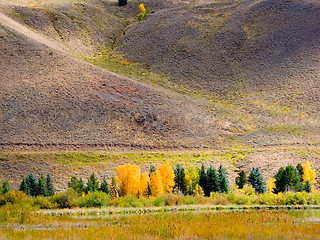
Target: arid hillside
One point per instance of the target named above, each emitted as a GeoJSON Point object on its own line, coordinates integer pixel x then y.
{"type": "Point", "coordinates": [201, 73]}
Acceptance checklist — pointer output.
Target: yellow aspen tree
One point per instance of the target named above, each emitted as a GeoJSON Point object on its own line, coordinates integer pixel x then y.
{"type": "Point", "coordinates": [167, 174]}
{"type": "Point", "coordinates": [271, 184]}
{"type": "Point", "coordinates": [144, 181]}
{"type": "Point", "coordinates": [156, 184]}
{"type": "Point", "coordinates": [191, 178]}
{"type": "Point", "coordinates": [142, 8]}
{"type": "Point", "coordinates": [128, 179]}
{"type": "Point", "coordinates": [308, 173]}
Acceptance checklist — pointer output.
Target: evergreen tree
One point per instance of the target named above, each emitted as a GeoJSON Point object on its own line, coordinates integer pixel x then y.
{"type": "Point", "coordinates": [5, 187]}
{"type": "Point", "coordinates": [300, 170]}
{"type": "Point", "coordinates": [308, 186]}
{"type": "Point", "coordinates": [50, 187]}
{"type": "Point", "coordinates": [122, 2]}
{"type": "Point", "coordinates": [286, 179]}
{"type": "Point", "coordinates": [212, 181]}
{"type": "Point", "coordinates": [42, 187]}
{"type": "Point", "coordinates": [256, 181]}
{"type": "Point", "coordinates": [24, 187]}
{"type": "Point", "coordinates": [203, 179]}
{"type": "Point", "coordinates": [179, 179]}
{"type": "Point", "coordinates": [223, 185]}
{"type": "Point", "coordinates": [241, 180]}
{"type": "Point", "coordinates": [81, 187]}
{"type": "Point", "coordinates": [113, 189]}
{"type": "Point", "coordinates": [152, 170]}
{"type": "Point", "coordinates": [104, 185]}
{"type": "Point", "coordinates": [32, 184]}
{"type": "Point", "coordinates": [92, 184]}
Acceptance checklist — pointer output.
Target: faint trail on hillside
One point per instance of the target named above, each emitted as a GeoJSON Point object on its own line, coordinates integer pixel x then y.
{"type": "Point", "coordinates": [18, 27]}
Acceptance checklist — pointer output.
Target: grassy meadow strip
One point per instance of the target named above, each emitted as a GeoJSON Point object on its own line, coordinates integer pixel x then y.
{"type": "Point", "coordinates": [176, 225]}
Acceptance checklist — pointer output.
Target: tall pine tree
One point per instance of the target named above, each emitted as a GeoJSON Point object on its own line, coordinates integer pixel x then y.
{"type": "Point", "coordinates": [241, 180]}
{"type": "Point", "coordinates": [203, 180]}
{"type": "Point", "coordinates": [256, 180]}
{"type": "Point", "coordinates": [24, 187]}
{"type": "Point", "coordinates": [179, 179]}
{"type": "Point", "coordinates": [223, 185]}
{"type": "Point", "coordinates": [104, 185]}
{"type": "Point", "coordinates": [32, 184]}
{"type": "Point", "coordinates": [286, 179]}
{"type": "Point", "coordinates": [50, 187]}
{"type": "Point", "coordinates": [42, 187]}
{"type": "Point", "coordinates": [212, 181]}
{"type": "Point", "coordinates": [93, 184]}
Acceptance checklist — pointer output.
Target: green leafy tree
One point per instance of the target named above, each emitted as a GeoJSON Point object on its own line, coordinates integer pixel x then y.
{"type": "Point", "coordinates": [203, 179]}
{"type": "Point", "coordinates": [286, 179]}
{"type": "Point", "coordinates": [24, 187]}
{"type": "Point", "coordinates": [50, 187]}
{"type": "Point", "coordinates": [212, 181]}
{"type": "Point", "coordinates": [256, 180]}
{"type": "Point", "coordinates": [241, 180]}
{"type": "Point", "coordinates": [77, 185]}
{"type": "Point", "coordinates": [42, 187]}
{"type": "Point", "coordinates": [5, 187]}
{"type": "Point", "coordinates": [104, 187]}
{"type": "Point", "coordinates": [179, 179]}
{"type": "Point", "coordinates": [223, 185]}
{"type": "Point", "coordinates": [81, 187]}
{"type": "Point", "coordinates": [93, 184]}
{"type": "Point", "coordinates": [32, 184]}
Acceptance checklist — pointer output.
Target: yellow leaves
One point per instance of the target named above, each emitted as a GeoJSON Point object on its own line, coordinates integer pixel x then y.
{"type": "Point", "coordinates": [167, 174]}
{"type": "Point", "coordinates": [308, 173]}
{"type": "Point", "coordinates": [271, 184]}
{"type": "Point", "coordinates": [124, 63]}
{"type": "Point", "coordinates": [156, 184]}
{"type": "Point", "coordinates": [142, 8]}
{"type": "Point", "coordinates": [129, 179]}
{"type": "Point", "coordinates": [144, 182]}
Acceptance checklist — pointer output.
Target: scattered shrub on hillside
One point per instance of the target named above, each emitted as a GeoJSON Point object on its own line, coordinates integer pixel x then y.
{"type": "Point", "coordinates": [143, 12]}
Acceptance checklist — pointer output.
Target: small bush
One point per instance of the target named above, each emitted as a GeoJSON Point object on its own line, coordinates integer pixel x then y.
{"type": "Point", "coordinates": [94, 199]}
{"type": "Point", "coordinates": [16, 213]}
{"type": "Point", "coordinates": [219, 198]}
{"type": "Point", "coordinates": [172, 199]}
{"type": "Point", "coordinates": [43, 202]}
{"type": "Point", "coordinates": [159, 201]}
{"type": "Point", "coordinates": [187, 200]}
{"type": "Point", "coordinates": [68, 199]}
{"type": "Point", "coordinates": [14, 197]}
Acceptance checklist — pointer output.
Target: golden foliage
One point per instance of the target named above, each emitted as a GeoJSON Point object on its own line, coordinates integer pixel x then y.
{"type": "Point", "coordinates": [144, 182]}
{"type": "Point", "coordinates": [308, 173]}
{"type": "Point", "coordinates": [156, 184]}
{"type": "Point", "coordinates": [167, 175]}
{"type": "Point", "coordinates": [191, 177]}
{"type": "Point", "coordinates": [142, 8]}
{"type": "Point", "coordinates": [271, 184]}
{"type": "Point", "coordinates": [128, 179]}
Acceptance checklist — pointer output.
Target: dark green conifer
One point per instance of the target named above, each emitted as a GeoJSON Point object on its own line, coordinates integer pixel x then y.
{"type": "Point", "coordinates": [241, 180]}
{"type": "Point", "coordinates": [203, 180]}
{"type": "Point", "coordinates": [24, 187]}
{"type": "Point", "coordinates": [223, 185]}
{"type": "Point", "coordinates": [212, 181]}
{"type": "Point", "coordinates": [5, 187]}
{"type": "Point", "coordinates": [42, 187]}
{"type": "Point", "coordinates": [32, 184]}
{"type": "Point", "coordinates": [286, 179]}
{"type": "Point", "coordinates": [93, 184]}
{"type": "Point", "coordinates": [307, 186]}
{"type": "Point", "coordinates": [180, 182]}
{"type": "Point", "coordinates": [50, 187]}
{"type": "Point", "coordinates": [256, 180]}
{"type": "Point", "coordinates": [104, 187]}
